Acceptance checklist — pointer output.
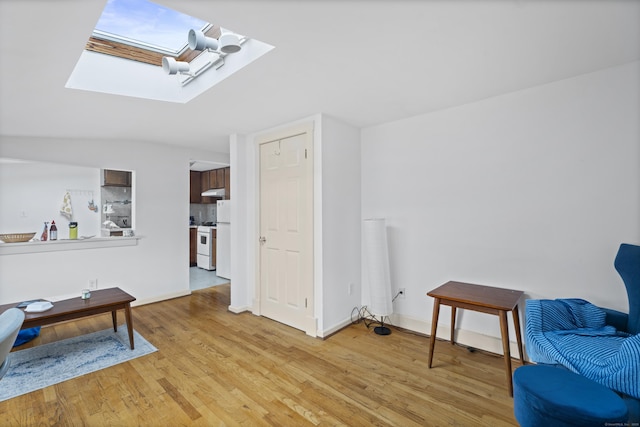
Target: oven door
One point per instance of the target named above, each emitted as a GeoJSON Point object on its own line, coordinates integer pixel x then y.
{"type": "Point", "coordinates": [204, 241]}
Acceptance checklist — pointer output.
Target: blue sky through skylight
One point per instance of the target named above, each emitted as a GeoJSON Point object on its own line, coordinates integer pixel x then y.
{"type": "Point", "coordinates": [147, 22]}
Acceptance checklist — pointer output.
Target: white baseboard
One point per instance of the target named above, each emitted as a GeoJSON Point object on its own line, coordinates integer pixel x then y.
{"type": "Point", "coordinates": [334, 329]}
{"type": "Point", "coordinates": [240, 309]}
{"type": "Point", "coordinates": [462, 336]}
{"type": "Point", "coordinates": [161, 298]}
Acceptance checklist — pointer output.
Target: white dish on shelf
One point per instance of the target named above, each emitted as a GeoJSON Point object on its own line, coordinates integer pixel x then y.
{"type": "Point", "coordinates": [38, 307]}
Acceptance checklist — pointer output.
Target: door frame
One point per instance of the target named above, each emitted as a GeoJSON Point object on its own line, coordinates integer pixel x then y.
{"type": "Point", "coordinates": [310, 320]}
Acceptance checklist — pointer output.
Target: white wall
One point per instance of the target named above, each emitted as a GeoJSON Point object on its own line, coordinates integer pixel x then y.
{"type": "Point", "coordinates": [242, 242]}
{"type": "Point", "coordinates": [339, 202]}
{"type": "Point", "coordinates": [157, 267]}
{"type": "Point", "coordinates": [533, 190]}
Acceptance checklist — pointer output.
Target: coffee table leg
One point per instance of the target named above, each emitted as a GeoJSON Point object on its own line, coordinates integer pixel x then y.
{"type": "Point", "coordinates": [114, 317]}
{"type": "Point", "coordinates": [504, 329]}
{"type": "Point", "coordinates": [434, 327]}
{"type": "Point", "coordinates": [127, 315]}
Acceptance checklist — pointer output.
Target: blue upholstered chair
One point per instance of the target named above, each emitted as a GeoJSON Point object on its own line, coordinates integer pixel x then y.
{"type": "Point", "coordinates": [10, 323]}
{"type": "Point", "coordinates": [627, 264]}
{"type": "Point", "coordinates": [546, 396]}
{"type": "Point", "coordinates": [600, 344]}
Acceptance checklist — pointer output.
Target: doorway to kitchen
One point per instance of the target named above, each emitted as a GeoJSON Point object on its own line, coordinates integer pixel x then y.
{"type": "Point", "coordinates": [208, 212]}
{"type": "Point", "coordinates": [200, 278]}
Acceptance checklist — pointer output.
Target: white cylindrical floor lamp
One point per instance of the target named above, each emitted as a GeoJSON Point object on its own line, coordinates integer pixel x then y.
{"type": "Point", "coordinates": [376, 293]}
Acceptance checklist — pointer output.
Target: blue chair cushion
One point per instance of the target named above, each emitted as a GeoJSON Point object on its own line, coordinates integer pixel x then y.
{"type": "Point", "coordinates": [549, 396]}
{"type": "Point", "coordinates": [26, 335]}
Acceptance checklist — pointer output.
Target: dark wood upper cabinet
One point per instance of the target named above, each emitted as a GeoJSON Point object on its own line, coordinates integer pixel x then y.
{"type": "Point", "coordinates": [117, 178]}
{"type": "Point", "coordinates": [194, 187]}
{"type": "Point", "coordinates": [227, 183]}
{"type": "Point", "coordinates": [206, 180]}
{"type": "Point", "coordinates": [220, 178]}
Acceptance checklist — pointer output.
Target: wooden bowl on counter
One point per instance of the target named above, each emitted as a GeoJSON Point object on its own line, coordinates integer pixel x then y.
{"type": "Point", "coordinates": [17, 237]}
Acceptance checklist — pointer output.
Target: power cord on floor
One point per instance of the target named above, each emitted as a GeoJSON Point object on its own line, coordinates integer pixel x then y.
{"type": "Point", "coordinates": [363, 315]}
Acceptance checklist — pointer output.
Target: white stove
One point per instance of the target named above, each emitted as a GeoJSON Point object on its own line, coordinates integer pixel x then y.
{"type": "Point", "coordinates": [206, 244]}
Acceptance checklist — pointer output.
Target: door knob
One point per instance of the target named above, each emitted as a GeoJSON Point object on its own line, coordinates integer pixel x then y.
{"type": "Point", "coordinates": [262, 240]}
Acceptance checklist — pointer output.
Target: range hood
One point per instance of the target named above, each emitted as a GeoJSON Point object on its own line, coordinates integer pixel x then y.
{"type": "Point", "coordinates": [214, 192]}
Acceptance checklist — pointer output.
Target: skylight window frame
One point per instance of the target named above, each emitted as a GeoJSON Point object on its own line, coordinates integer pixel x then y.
{"type": "Point", "coordinates": [105, 35]}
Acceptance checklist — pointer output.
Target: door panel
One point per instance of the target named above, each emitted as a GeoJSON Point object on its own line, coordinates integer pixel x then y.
{"type": "Point", "coordinates": [286, 255]}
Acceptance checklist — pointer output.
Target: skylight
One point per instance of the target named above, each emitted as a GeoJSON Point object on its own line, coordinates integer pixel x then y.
{"type": "Point", "coordinates": [147, 25]}
{"type": "Point", "coordinates": [133, 39]}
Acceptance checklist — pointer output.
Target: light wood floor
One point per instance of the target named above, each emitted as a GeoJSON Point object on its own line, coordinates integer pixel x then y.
{"type": "Point", "coordinates": [217, 368]}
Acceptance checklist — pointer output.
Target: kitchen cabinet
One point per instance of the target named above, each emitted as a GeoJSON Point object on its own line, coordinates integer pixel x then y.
{"type": "Point", "coordinates": [116, 178]}
{"type": "Point", "coordinates": [206, 180]}
{"type": "Point", "coordinates": [193, 246]}
{"type": "Point", "coordinates": [220, 178]}
{"type": "Point", "coordinates": [227, 183]}
{"type": "Point", "coordinates": [205, 184]}
{"type": "Point", "coordinates": [213, 179]}
{"type": "Point", "coordinates": [195, 187]}
{"type": "Point", "coordinates": [216, 178]}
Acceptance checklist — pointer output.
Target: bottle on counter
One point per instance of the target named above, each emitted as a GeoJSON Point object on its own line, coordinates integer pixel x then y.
{"type": "Point", "coordinates": [53, 231]}
{"type": "Point", "coordinates": [45, 232]}
{"type": "Point", "coordinates": [73, 230]}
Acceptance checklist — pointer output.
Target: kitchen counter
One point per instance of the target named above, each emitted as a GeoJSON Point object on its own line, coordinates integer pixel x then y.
{"type": "Point", "coordinates": [66, 245]}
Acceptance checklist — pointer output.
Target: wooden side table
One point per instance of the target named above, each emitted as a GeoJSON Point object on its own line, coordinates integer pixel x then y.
{"type": "Point", "coordinates": [485, 299]}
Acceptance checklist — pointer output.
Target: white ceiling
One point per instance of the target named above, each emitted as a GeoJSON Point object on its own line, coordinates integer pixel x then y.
{"type": "Point", "coordinates": [363, 62]}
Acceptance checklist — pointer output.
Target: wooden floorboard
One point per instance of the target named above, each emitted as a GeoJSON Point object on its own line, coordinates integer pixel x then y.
{"type": "Point", "coordinates": [217, 368]}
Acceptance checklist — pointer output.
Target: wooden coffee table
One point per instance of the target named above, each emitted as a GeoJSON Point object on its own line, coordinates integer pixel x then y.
{"type": "Point", "coordinates": [101, 301]}
{"type": "Point", "coordinates": [485, 299]}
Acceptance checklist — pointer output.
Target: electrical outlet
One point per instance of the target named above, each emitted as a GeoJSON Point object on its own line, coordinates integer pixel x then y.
{"type": "Point", "coordinates": [350, 289]}
{"type": "Point", "coordinates": [402, 293]}
{"type": "Point", "coordinates": [93, 283]}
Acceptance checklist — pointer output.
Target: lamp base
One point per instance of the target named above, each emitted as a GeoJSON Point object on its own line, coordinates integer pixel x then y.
{"type": "Point", "coordinates": [382, 330]}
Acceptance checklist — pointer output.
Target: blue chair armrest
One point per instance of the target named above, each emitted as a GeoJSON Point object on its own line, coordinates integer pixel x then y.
{"type": "Point", "coordinates": [617, 319]}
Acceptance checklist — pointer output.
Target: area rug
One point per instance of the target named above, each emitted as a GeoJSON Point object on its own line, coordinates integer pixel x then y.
{"type": "Point", "coordinates": [44, 365]}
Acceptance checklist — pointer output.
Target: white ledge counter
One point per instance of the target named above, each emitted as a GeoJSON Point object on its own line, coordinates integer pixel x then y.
{"type": "Point", "coordinates": [66, 245]}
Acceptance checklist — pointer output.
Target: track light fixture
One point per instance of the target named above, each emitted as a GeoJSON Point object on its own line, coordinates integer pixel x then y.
{"type": "Point", "coordinates": [198, 41]}
{"type": "Point", "coordinates": [228, 42]}
{"type": "Point", "coordinates": [171, 66]}
{"type": "Point", "coordinates": [212, 55]}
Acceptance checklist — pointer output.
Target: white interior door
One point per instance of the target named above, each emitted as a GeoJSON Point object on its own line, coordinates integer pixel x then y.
{"type": "Point", "coordinates": [286, 231]}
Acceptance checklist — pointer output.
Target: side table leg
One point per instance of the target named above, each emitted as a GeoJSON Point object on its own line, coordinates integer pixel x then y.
{"type": "Point", "coordinates": [114, 318]}
{"type": "Point", "coordinates": [127, 315]}
{"type": "Point", "coordinates": [516, 324]}
{"type": "Point", "coordinates": [504, 329]}
{"type": "Point", "coordinates": [453, 322]}
{"type": "Point", "coordinates": [434, 327]}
